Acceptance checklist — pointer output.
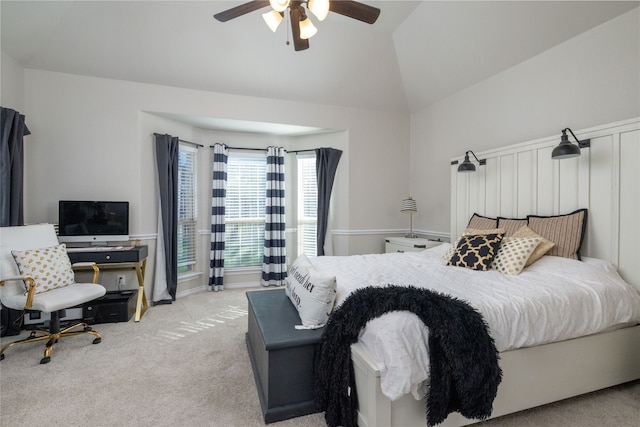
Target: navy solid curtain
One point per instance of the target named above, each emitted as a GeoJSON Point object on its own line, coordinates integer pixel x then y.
{"type": "Point", "coordinates": [167, 151]}
{"type": "Point", "coordinates": [218, 214]}
{"type": "Point", "coordinates": [12, 167]}
{"type": "Point", "coordinates": [327, 160]}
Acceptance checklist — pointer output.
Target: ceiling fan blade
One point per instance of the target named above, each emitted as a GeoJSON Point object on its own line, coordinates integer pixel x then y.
{"type": "Point", "coordinates": [243, 9]}
{"type": "Point", "coordinates": [355, 10]}
{"type": "Point", "coordinates": [298, 43]}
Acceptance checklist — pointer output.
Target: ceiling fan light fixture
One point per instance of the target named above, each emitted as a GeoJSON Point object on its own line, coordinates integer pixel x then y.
{"type": "Point", "coordinates": [320, 8]}
{"type": "Point", "coordinates": [307, 29]}
{"type": "Point", "coordinates": [279, 5]}
{"type": "Point", "coordinates": [273, 19]}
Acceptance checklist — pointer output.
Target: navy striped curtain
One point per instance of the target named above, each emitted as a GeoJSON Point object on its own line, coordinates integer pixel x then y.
{"type": "Point", "coordinates": [218, 198]}
{"type": "Point", "coordinates": [274, 266]}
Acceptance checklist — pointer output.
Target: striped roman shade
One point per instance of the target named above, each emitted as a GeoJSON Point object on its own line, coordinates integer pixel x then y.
{"type": "Point", "coordinates": [566, 231]}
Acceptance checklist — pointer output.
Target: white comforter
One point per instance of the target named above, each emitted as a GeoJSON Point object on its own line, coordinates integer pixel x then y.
{"type": "Point", "coordinates": [552, 300]}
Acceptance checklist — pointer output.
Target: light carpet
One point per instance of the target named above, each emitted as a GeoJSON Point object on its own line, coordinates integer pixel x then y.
{"type": "Point", "coordinates": [187, 364]}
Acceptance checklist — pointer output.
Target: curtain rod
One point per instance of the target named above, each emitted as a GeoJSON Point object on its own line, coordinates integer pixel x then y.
{"type": "Point", "coordinates": [264, 149]}
{"type": "Point", "coordinates": [189, 142]}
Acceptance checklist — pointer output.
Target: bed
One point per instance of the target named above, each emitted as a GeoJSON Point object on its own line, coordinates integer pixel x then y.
{"type": "Point", "coordinates": [591, 353]}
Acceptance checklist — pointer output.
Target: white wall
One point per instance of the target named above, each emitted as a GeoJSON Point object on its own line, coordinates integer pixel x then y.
{"type": "Point", "coordinates": [12, 83]}
{"type": "Point", "coordinates": [92, 138]}
{"type": "Point", "coordinates": [589, 80]}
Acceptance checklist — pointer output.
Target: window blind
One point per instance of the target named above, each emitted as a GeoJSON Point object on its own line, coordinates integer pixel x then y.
{"type": "Point", "coordinates": [245, 208]}
{"type": "Point", "coordinates": [187, 208]}
{"type": "Point", "coordinates": [307, 205]}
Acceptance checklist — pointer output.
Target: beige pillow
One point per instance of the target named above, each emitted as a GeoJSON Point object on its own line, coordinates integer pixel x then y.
{"type": "Point", "coordinates": [566, 231]}
{"type": "Point", "coordinates": [511, 225]}
{"type": "Point", "coordinates": [513, 254]}
{"type": "Point", "coordinates": [482, 222]}
{"type": "Point", "coordinates": [50, 268]}
{"type": "Point", "coordinates": [543, 247]}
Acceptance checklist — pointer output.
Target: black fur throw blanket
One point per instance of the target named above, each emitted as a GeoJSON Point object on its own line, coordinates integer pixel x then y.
{"type": "Point", "coordinates": [464, 374]}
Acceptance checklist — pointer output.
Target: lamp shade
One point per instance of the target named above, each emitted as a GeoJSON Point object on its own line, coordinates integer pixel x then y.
{"type": "Point", "coordinates": [565, 150]}
{"type": "Point", "coordinates": [307, 29]}
{"type": "Point", "coordinates": [320, 8]}
{"type": "Point", "coordinates": [408, 206]}
{"type": "Point", "coordinates": [273, 19]}
{"type": "Point", "coordinates": [279, 5]}
{"type": "Point", "coordinates": [466, 166]}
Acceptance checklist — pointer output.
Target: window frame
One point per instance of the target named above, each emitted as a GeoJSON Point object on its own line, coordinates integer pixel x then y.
{"type": "Point", "coordinates": [303, 220]}
{"type": "Point", "coordinates": [260, 203]}
{"type": "Point", "coordinates": [188, 267]}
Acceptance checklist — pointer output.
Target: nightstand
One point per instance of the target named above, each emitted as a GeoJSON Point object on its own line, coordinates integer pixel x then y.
{"type": "Point", "coordinates": [405, 244]}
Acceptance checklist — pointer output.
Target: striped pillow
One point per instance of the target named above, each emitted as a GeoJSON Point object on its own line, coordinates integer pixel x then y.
{"type": "Point", "coordinates": [482, 222]}
{"type": "Point", "coordinates": [511, 225]}
{"type": "Point", "coordinates": [566, 231]}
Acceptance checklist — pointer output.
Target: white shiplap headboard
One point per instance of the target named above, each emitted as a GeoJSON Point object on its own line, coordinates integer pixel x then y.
{"type": "Point", "coordinates": [523, 179]}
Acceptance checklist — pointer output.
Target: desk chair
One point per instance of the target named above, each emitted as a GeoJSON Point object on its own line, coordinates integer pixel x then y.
{"type": "Point", "coordinates": [36, 274]}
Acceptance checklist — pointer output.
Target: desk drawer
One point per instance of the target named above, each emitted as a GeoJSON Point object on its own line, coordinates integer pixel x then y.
{"type": "Point", "coordinates": [110, 256]}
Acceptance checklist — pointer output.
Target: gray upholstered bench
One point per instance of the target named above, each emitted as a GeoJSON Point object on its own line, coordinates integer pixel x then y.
{"type": "Point", "coordinates": [281, 356]}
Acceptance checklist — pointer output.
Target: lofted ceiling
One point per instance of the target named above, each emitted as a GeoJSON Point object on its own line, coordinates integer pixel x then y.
{"type": "Point", "coordinates": [416, 54]}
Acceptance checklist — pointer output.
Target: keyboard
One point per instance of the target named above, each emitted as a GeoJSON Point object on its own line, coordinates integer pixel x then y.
{"type": "Point", "coordinates": [100, 249]}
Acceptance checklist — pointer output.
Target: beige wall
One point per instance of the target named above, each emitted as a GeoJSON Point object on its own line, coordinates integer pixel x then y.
{"type": "Point", "coordinates": [92, 138]}
{"type": "Point", "coordinates": [589, 80]}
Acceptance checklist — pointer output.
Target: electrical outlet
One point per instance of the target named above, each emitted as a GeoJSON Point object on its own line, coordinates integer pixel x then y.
{"type": "Point", "coordinates": [121, 281]}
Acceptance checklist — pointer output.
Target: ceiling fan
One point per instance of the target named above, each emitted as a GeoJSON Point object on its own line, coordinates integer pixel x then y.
{"type": "Point", "coordinates": [301, 26]}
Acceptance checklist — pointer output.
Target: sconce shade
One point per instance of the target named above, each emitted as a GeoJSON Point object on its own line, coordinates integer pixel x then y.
{"type": "Point", "coordinates": [466, 166]}
{"type": "Point", "coordinates": [566, 149]}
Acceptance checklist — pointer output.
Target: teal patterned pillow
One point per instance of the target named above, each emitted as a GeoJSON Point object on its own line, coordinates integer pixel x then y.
{"type": "Point", "coordinates": [476, 251]}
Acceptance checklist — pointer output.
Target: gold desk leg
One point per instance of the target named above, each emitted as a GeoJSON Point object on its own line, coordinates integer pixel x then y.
{"type": "Point", "coordinates": [141, 306]}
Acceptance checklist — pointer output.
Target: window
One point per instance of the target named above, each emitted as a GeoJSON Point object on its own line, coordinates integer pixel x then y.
{"type": "Point", "coordinates": [187, 208]}
{"type": "Point", "coordinates": [244, 211]}
{"type": "Point", "coordinates": [307, 205]}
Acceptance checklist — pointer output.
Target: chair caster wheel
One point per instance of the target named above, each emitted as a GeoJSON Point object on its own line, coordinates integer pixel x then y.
{"type": "Point", "coordinates": [2, 356]}
{"type": "Point", "coordinates": [97, 340]}
{"type": "Point", "coordinates": [45, 360]}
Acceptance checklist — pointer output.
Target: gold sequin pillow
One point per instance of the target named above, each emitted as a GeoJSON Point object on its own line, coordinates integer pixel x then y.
{"type": "Point", "coordinates": [476, 251]}
{"type": "Point", "coordinates": [513, 254]}
{"type": "Point", "coordinates": [49, 267]}
{"type": "Point", "coordinates": [540, 250]}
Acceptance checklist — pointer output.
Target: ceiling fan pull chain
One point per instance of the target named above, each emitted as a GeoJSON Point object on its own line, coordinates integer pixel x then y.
{"type": "Point", "coordinates": [288, 27]}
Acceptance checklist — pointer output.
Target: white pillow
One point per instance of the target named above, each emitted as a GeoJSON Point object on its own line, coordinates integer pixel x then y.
{"type": "Point", "coordinates": [311, 292]}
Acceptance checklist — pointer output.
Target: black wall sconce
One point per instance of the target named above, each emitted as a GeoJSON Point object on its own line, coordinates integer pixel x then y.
{"type": "Point", "coordinates": [466, 166]}
{"type": "Point", "coordinates": [566, 149]}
